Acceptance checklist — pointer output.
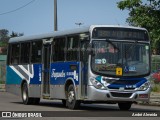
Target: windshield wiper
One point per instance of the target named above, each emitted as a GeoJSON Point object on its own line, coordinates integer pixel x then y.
{"type": "Point", "coordinates": [128, 50]}
{"type": "Point", "coordinates": [132, 45]}
{"type": "Point", "coordinates": [114, 46]}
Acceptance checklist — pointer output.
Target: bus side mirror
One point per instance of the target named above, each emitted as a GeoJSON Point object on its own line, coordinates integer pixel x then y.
{"type": "Point", "coordinates": [91, 50]}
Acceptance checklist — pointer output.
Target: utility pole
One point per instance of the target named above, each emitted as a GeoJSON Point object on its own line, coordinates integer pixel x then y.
{"type": "Point", "coordinates": [55, 15]}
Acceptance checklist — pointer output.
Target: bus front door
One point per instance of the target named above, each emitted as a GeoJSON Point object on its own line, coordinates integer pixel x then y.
{"type": "Point", "coordinates": [46, 68]}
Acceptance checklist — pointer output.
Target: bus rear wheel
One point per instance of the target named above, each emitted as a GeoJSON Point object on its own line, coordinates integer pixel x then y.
{"type": "Point", "coordinates": [36, 101]}
{"type": "Point", "coordinates": [26, 99]}
{"type": "Point", "coordinates": [71, 101]}
{"type": "Point", "coordinates": [125, 106]}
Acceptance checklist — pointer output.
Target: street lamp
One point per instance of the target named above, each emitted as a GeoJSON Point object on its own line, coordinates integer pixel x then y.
{"type": "Point", "coordinates": [79, 24]}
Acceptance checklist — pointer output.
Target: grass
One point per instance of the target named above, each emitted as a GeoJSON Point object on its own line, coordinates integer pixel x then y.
{"type": "Point", "coordinates": [156, 88]}
{"type": "Point", "coordinates": [2, 82]}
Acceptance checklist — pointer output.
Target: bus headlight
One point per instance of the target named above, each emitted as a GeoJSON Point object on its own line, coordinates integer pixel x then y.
{"type": "Point", "coordinates": [144, 87]}
{"type": "Point", "coordinates": [96, 83]}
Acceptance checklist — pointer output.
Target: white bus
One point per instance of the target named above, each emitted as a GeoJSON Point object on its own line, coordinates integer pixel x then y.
{"type": "Point", "coordinates": [95, 64]}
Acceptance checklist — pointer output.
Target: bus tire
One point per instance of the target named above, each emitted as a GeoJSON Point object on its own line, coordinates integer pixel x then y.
{"type": "Point", "coordinates": [64, 102]}
{"type": "Point", "coordinates": [36, 101]}
{"type": "Point", "coordinates": [25, 98]}
{"type": "Point", "coordinates": [71, 101]}
{"type": "Point", "coordinates": [125, 106]}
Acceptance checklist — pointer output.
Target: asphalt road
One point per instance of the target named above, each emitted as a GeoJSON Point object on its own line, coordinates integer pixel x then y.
{"type": "Point", "coordinates": [10, 102]}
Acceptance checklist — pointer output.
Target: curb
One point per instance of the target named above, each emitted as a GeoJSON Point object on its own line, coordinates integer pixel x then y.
{"type": "Point", "coordinates": [154, 100]}
{"type": "Point", "coordinates": [2, 87]}
{"type": "Point", "coordinates": [149, 104]}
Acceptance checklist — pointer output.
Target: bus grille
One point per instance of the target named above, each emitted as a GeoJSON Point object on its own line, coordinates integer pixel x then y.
{"type": "Point", "coordinates": [126, 82]}
{"type": "Point", "coordinates": [123, 83]}
{"type": "Point", "coordinates": [125, 95]}
{"type": "Point", "coordinates": [117, 88]}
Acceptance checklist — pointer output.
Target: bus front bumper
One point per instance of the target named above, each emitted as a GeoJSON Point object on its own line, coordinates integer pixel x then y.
{"type": "Point", "coordinates": [117, 95]}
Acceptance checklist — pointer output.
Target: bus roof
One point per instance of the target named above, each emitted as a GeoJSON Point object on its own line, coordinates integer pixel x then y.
{"type": "Point", "coordinates": [65, 32]}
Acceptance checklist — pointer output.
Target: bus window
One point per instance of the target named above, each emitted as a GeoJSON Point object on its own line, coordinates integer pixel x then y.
{"type": "Point", "coordinates": [15, 53]}
{"type": "Point", "coordinates": [73, 48]}
{"type": "Point", "coordinates": [84, 51]}
{"type": "Point", "coordinates": [25, 52]}
{"type": "Point", "coordinates": [36, 52]}
{"type": "Point", "coordinates": [9, 54]}
{"type": "Point", "coordinates": [58, 49]}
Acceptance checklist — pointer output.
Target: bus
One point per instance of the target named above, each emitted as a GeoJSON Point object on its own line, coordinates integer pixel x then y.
{"type": "Point", "coordinates": [96, 64]}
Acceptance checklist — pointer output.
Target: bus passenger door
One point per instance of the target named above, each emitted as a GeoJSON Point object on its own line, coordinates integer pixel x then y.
{"type": "Point", "coordinates": [84, 59]}
{"type": "Point", "coordinates": [46, 68]}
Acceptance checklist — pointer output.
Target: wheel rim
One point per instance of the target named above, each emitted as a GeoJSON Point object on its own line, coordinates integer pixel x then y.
{"type": "Point", "coordinates": [71, 96]}
{"type": "Point", "coordinates": [24, 94]}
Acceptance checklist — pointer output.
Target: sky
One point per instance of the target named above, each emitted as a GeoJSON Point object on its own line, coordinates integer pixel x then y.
{"type": "Point", "coordinates": [38, 17]}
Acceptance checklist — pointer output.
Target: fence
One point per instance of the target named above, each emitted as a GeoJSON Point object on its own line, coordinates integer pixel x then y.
{"type": "Point", "coordinates": [2, 71]}
{"type": "Point", "coordinates": [155, 63]}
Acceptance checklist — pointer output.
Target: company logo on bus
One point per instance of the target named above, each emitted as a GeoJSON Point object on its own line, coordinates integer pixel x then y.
{"type": "Point", "coordinates": [57, 74]}
{"type": "Point", "coordinates": [62, 74]}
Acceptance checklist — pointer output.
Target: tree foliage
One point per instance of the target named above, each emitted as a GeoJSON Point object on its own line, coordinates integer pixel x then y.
{"type": "Point", "coordinates": [144, 14]}
{"type": "Point", "coordinates": [4, 37]}
{"type": "Point", "coordinates": [15, 34]}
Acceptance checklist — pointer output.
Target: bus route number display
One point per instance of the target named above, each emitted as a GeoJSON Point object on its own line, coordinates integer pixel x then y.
{"type": "Point", "coordinates": [119, 33]}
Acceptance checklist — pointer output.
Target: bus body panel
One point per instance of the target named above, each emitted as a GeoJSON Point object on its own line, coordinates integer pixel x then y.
{"type": "Point", "coordinates": [32, 74]}
{"type": "Point", "coordinates": [105, 95]}
{"type": "Point", "coordinates": [119, 91]}
{"type": "Point", "coordinates": [61, 72]}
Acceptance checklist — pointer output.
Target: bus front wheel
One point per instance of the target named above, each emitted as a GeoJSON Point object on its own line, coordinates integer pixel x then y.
{"type": "Point", "coordinates": [71, 101]}
{"type": "Point", "coordinates": [64, 103]}
{"type": "Point", "coordinates": [125, 106]}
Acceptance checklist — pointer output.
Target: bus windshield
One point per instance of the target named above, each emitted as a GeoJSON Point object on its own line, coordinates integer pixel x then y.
{"type": "Point", "coordinates": [132, 58]}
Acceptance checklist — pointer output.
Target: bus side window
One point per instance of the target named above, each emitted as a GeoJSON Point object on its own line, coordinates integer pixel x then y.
{"type": "Point", "coordinates": [59, 49]}
{"type": "Point", "coordinates": [36, 52]}
{"type": "Point", "coordinates": [15, 53]}
{"type": "Point", "coordinates": [84, 51]}
{"type": "Point", "coordinates": [9, 54]}
{"type": "Point", "coordinates": [25, 52]}
{"type": "Point", "coordinates": [73, 48]}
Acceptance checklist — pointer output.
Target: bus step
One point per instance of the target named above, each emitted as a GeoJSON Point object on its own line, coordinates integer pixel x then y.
{"type": "Point", "coordinates": [46, 96]}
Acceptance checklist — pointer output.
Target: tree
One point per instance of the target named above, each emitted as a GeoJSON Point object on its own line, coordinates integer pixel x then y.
{"type": "Point", "coordinates": [4, 37]}
{"type": "Point", "coordinates": [145, 15]}
{"type": "Point", "coordinates": [15, 34]}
